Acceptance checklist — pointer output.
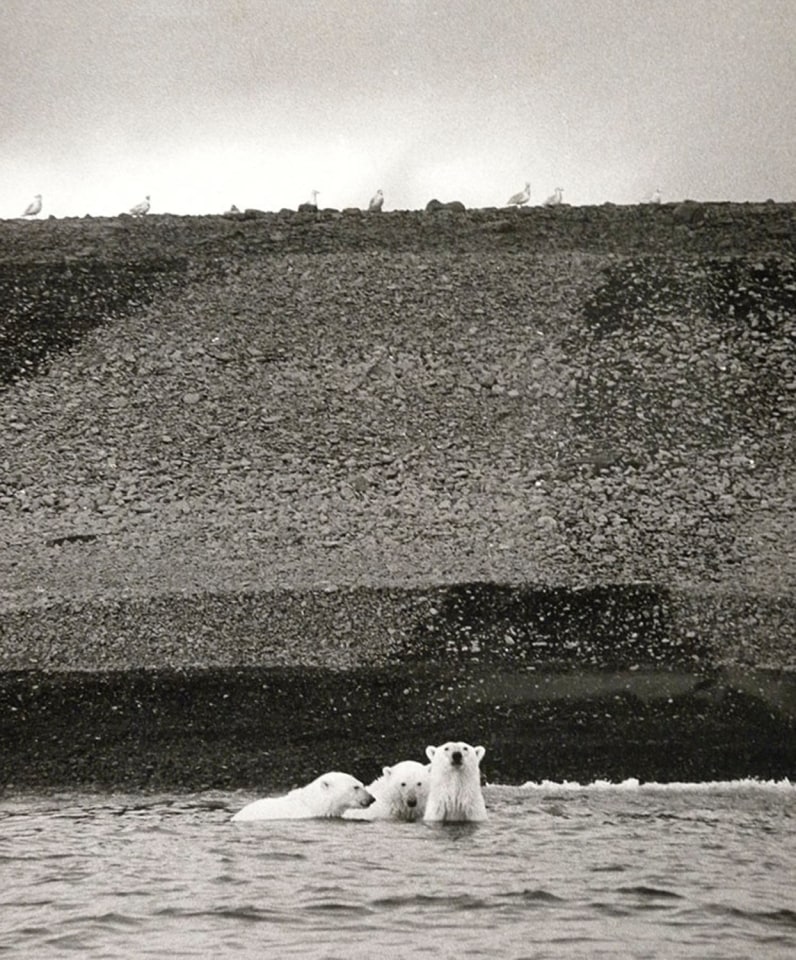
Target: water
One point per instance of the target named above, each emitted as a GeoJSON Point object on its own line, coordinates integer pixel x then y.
{"type": "Point", "coordinates": [698, 871]}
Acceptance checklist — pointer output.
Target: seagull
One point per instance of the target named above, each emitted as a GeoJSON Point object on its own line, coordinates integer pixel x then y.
{"type": "Point", "coordinates": [376, 201]}
{"type": "Point", "coordinates": [141, 209]}
{"type": "Point", "coordinates": [555, 198]}
{"type": "Point", "coordinates": [656, 196]}
{"type": "Point", "coordinates": [34, 207]}
{"type": "Point", "coordinates": [520, 199]}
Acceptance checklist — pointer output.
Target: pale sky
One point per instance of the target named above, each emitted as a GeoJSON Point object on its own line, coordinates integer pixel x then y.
{"type": "Point", "coordinates": [206, 103]}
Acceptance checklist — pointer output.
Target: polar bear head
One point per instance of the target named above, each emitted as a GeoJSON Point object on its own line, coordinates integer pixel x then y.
{"type": "Point", "coordinates": [333, 793]}
{"type": "Point", "coordinates": [403, 790]}
{"type": "Point", "coordinates": [456, 754]}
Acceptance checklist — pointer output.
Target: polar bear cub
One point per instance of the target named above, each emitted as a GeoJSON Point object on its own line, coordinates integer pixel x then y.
{"type": "Point", "coordinates": [330, 795]}
{"type": "Point", "coordinates": [454, 793]}
{"type": "Point", "coordinates": [401, 792]}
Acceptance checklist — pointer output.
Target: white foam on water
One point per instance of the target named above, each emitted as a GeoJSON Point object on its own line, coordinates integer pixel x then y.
{"type": "Point", "coordinates": [747, 783]}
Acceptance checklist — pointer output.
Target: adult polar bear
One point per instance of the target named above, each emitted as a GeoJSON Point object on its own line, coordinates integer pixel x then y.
{"type": "Point", "coordinates": [330, 795]}
{"type": "Point", "coordinates": [454, 792]}
{"type": "Point", "coordinates": [401, 793]}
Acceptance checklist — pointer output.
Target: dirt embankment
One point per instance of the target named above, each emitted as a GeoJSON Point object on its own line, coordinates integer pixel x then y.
{"type": "Point", "coordinates": [574, 397]}
{"type": "Point", "coordinates": [533, 469]}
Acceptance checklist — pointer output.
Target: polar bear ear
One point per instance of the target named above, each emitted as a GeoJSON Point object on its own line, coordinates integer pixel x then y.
{"type": "Point", "coordinates": [479, 752]}
{"type": "Point", "coordinates": [386, 771]}
{"type": "Point", "coordinates": [430, 751]}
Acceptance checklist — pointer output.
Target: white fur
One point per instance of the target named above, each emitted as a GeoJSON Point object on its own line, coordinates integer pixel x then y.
{"type": "Point", "coordinates": [401, 792]}
{"type": "Point", "coordinates": [330, 795]}
{"type": "Point", "coordinates": [454, 794]}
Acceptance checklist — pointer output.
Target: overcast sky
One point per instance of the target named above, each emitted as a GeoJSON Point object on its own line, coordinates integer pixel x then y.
{"type": "Point", "coordinates": [206, 103]}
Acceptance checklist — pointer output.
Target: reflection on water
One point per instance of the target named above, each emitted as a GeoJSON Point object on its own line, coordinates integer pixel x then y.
{"type": "Point", "coordinates": [698, 871]}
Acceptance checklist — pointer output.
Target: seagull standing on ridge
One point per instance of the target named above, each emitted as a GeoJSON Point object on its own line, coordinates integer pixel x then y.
{"type": "Point", "coordinates": [141, 209]}
{"type": "Point", "coordinates": [376, 202]}
{"type": "Point", "coordinates": [656, 196]}
{"type": "Point", "coordinates": [520, 199]}
{"type": "Point", "coordinates": [555, 198]}
{"type": "Point", "coordinates": [33, 209]}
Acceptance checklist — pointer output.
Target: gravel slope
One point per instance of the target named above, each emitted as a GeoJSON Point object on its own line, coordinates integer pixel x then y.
{"type": "Point", "coordinates": [409, 400]}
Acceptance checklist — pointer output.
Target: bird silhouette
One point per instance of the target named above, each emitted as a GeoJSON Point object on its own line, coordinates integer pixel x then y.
{"type": "Point", "coordinates": [34, 207]}
{"type": "Point", "coordinates": [376, 201]}
{"type": "Point", "coordinates": [555, 198]}
{"type": "Point", "coordinates": [141, 209]}
{"type": "Point", "coordinates": [520, 199]}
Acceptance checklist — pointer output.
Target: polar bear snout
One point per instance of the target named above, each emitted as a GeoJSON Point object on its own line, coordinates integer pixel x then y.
{"type": "Point", "coordinates": [457, 758]}
{"type": "Point", "coordinates": [365, 798]}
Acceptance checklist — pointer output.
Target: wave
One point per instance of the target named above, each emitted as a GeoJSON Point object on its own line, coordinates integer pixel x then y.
{"type": "Point", "coordinates": [631, 783]}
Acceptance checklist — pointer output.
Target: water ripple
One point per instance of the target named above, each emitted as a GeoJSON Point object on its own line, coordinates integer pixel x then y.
{"type": "Point", "coordinates": [535, 896]}
{"type": "Point", "coordinates": [783, 916]}
{"type": "Point", "coordinates": [433, 901]}
{"type": "Point", "coordinates": [651, 892]}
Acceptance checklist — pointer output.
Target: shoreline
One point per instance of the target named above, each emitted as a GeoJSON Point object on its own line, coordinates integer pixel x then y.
{"type": "Point", "coordinates": [272, 728]}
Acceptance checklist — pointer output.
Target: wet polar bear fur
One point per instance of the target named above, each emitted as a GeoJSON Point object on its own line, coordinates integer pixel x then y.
{"type": "Point", "coordinates": [454, 794]}
{"type": "Point", "coordinates": [330, 795]}
{"type": "Point", "coordinates": [401, 793]}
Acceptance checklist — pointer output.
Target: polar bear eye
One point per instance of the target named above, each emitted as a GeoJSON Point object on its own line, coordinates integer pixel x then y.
{"type": "Point", "coordinates": [403, 783]}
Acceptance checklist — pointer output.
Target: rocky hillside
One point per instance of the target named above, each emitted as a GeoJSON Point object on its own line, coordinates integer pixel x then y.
{"type": "Point", "coordinates": [559, 398]}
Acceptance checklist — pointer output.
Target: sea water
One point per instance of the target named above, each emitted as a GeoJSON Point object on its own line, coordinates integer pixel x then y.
{"type": "Point", "coordinates": [559, 871]}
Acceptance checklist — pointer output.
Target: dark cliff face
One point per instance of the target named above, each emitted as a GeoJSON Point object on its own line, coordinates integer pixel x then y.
{"type": "Point", "coordinates": [449, 449]}
{"type": "Point", "coordinates": [554, 397]}
{"type": "Point", "coordinates": [272, 729]}
{"type": "Point", "coordinates": [48, 307]}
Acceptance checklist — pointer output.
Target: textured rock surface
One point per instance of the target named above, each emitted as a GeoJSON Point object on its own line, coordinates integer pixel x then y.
{"type": "Point", "coordinates": [402, 400]}
{"type": "Point", "coordinates": [284, 440]}
{"type": "Point", "coordinates": [272, 729]}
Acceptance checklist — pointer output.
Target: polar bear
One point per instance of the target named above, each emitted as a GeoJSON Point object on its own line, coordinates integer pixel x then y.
{"type": "Point", "coordinates": [400, 793]}
{"type": "Point", "coordinates": [454, 793]}
{"type": "Point", "coordinates": [330, 795]}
